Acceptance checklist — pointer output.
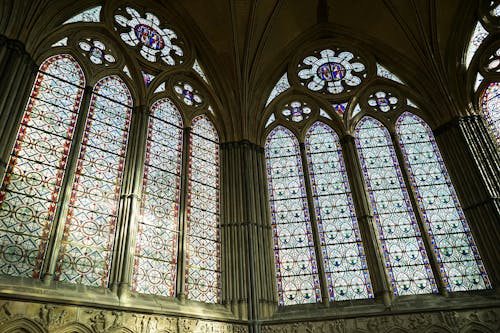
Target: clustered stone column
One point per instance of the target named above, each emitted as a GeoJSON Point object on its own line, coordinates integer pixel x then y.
{"type": "Point", "coordinates": [473, 161]}
{"type": "Point", "coordinates": [248, 284]}
{"type": "Point", "coordinates": [18, 71]}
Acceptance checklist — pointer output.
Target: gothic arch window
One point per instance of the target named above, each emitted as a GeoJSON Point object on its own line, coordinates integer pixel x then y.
{"type": "Point", "coordinates": [413, 213]}
{"type": "Point", "coordinates": [482, 60]}
{"type": "Point", "coordinates": [31, 188]}
{"type": "Point", "coordinates": [202, 214]}
{"type": "Point", "coordinates": [156, 254]}
{"type": "Point", "coordinates": [45, 140]}
{"type": "Point", "coordinates": [87, 245]}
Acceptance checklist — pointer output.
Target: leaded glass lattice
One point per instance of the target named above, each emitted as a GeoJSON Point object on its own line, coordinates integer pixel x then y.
{"type": "Point", "coordinates": [294, 255]}
{"type": "Point", "coordinates": [90, 225]}
{"type": "Point", "coordinates": [32, 184]}
{"type": "Point", "coordinates": [343, 254]}
{"type": "Point", "coordinates": [202, 234]}
{"type": "Point", "coordinates": [456, 253]}
{"type": "Point", "coordinates": [405, 257]}
{"type": "Point", "coordinates": [156, 250]}
{"type": "Point", "coordinates": [491, 108]}
{"type": "Point", "coordinates": [478, 36]}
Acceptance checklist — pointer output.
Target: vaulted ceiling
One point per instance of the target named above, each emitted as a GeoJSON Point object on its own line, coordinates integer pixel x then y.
{"type": "Point", "coordinates": [245, 44]}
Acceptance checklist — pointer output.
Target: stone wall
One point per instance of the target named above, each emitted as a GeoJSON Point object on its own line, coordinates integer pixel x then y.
{"type": "Point", "coordinates": [28, 317]}
{"type": "Point", "coordinates": [477, 321]}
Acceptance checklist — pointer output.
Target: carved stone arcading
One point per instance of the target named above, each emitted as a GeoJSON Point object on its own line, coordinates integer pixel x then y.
{"type": "Point", "coordinates": [485, 320]}
{"type": "Point", "coordinates": [67, 318]}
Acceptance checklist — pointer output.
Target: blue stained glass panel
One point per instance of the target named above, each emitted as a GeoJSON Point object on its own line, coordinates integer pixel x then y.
{"type": "Point", "coordinates": [30, 191]}
{"type": "Point", "coordinates": [203, 240]}
{"type": "Point", "coordinates": [457, 255]}
{"type": "Point", "coordinates": [405, 257]}
{"type": "Point", "coordinates": [87, 244]}
{"type": "Point", "coordinates": [155, 262]}
{"type": "Point", "coordinates": [295, 259]}
{"type": "Point", "coordinates": [341, 245]}
{"type": "Point", "coordinates": [491, 108]}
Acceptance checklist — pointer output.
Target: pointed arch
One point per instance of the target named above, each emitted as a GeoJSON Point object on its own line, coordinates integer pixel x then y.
{"type": "Point", "coordinates": [31, 187]}
{"type": "Point", "coordinates": [490, 105]}
{"type": "Point", "coordinates": [75, 328]}
{"type": "Point", "coordinates": [156, 249]}
{"type": "Point", "coordinates": [406, 260]}
{"type": "Point", "coordinates": [87, 245]}
{"type": "Point", "coordinates": [342, 248]}
{"type": "Point", "coordinates": [22, 325]}
{"type": "Point", "coordinates": [295, 258]}
{"type": "Point", "coordinates": [202, 217]}
{"type": "Point", "coordinates": [459, 261]}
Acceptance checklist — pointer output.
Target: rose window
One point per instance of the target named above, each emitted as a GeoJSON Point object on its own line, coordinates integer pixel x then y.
{"type": "Point", "coordinates": [187, 94]}
{"type": "Point", "coordinates": [332, 72]}
{"type": "Point", "coordinates": [96, 51]}
{"type": "Point", "coordinates": [145, 33]}
{"type": "Point", "coordinates": [383, 101]}
{"type": "Point", "coordinates": [297, 111]}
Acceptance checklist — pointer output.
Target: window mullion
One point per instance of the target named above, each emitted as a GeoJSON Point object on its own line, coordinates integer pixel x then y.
{"type": "Point", "coordinates": [314, 224]}
{"type": "Point", "coordinates": [55, 237]}
{"type": "Point", "coordinates": [129, 205]}
{"type": "Point", "coordinates": [423, 230]}
{"type": "Point", "coordinates": [364, 213]}
{"type": "Point", "coordinates": [182, 247]}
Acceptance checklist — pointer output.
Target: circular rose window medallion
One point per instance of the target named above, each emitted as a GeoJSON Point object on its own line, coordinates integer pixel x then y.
{"type": "Point", "coordinates": [331, 71]}
{"type": "Point", "coordinates": [149, 37]}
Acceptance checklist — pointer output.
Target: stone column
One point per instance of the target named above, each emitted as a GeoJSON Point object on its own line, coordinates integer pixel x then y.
{"type": "Point", "coordinates": [473, 162]}
{"type": "Point", "coordinates": [18, 71]}
{"type": "Point", "coordinates": [247, 236]}
{"type": "Point", "coordinates": [366, 221]}
{"type": "Point", "coordinates": [129, 206]}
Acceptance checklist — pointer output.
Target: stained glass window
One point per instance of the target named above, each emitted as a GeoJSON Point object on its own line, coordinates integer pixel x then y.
{"type": "Point", "coordinates": [32, 184]}
{"type": "Point", "coordinates": [457, 255]}
{"type": "Point", "coordinates": [332, 71]}
{"type": "Point", "coordinates": [405, 257]}
{"type": "Point", "coordinates": [341, 246]}
{"type": "Point", "coordinates": [281, 86]}
{"type": "Point", "coordinates": [89, 231]}
{"type": "Point", "coordinates": [475, 42]}
{"type": "Point", "coordinates": [202, 234]}
{"type": "Point", "coordinates": [154, 43]}
{"type": "Point", "coordinates": [90, 15]}
{"type": "Point", "coordinates": [491, 108]}
{"type": "Point", "coordinates": [156, 250]}
{"type": "Point", "coordinates": [387, 74]}
{"type": "Point", "coordinates": [295, 259]}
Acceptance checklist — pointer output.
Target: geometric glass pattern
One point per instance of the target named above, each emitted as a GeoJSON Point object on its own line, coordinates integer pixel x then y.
{"type": "Point", "coordinates": [203, 254]}
{"type": "Point", "coordinates": [490, 105]}
{"type": "Point", "coordinates": [156, 250]}
{"type": "Point", "coordinates": [281, 86]}
{"type": "Point", "coordinates": [331, 71]}
{"type": "Point", "coordinates": [32, 184]}
{"type": "Point", "coordinates": [90, 15]}
{"type": "Point", "coordinates": [294, 254]}
{"type": "Point", "coordinates": [387, 74]}
{"type": "Point", "coordinates": [457, 255]}
{"type": "Point", "coordinates": [199, 71]}
{"type": "Point", "coordinates": [96, 51]}
{"type": "Point", "coordinates": [341, 246]}
{"type": "Point", "coordinates": [87, 243]}
{"type": "Point", "coordinates": [475, 42]}
{"type": "Point", "coordinates": [153, 41]}
{"type": "Point", "coordinates": [405, 257]}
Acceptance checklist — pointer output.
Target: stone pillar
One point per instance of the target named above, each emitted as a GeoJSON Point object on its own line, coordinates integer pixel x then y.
{"type": "Point", "coordinates": [18, 71]}
{"type": "Point", "coordinates": [366, 221]}
{"type": "Point", "coordinates": [249, 285]}
{"type": "Point", "coordinates": [473, 162]}
{"type": "Point", "coordinates": [129, 206]}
